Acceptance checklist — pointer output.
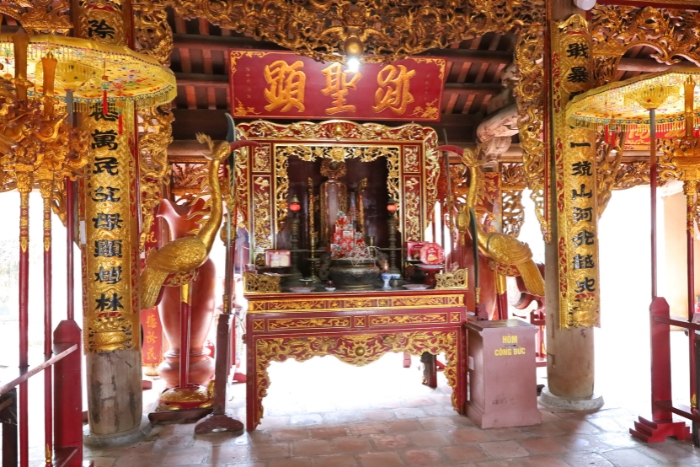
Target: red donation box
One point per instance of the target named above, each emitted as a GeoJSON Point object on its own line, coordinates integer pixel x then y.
{"type": "Point", "coordinates": [502, 374]}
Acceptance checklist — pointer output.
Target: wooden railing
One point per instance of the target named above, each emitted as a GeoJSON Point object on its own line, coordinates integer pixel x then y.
{"type": "Point", "coordinates": [662, 424]}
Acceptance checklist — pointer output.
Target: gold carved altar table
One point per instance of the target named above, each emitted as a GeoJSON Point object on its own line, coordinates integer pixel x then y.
{"type": "Point", "coordinates": [357, 329]}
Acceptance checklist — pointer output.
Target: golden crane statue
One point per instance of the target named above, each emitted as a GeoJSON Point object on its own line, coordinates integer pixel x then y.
{"type": "Point", "coordinates": [510, 256]}
{"type": "Point", "coordinates": [181, 257]}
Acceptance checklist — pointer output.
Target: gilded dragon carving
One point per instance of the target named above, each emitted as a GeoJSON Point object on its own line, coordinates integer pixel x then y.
{"type": "Point", "coordinates": [608, 160]}
{"type": "Point", "coordinates": [153, 34]}
{"type": "Point", "coordinates": [39, 16]}
{"type": "Point", "coordinates": [155, 136]}
{"type": "Point", "coordinates": [615, 29]}
{"type": "Point", "coordinates": [631, 174]}
{"type": "Point", "coordinates": [388, 30]}
{"type": "Point", "coordinates": [513, 182]}
{"type": "Point", "coordinates": [154, 37]}
{"type": "Point", "coordinates": [530, 97]}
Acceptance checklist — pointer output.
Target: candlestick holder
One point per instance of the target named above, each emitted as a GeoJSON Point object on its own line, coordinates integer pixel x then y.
{"type": "Point", "coordinates": [313, 260]}
{"type": "Point", "coordinates": [392, 245]}
{"type": "Point", "coordinates": [294, 207]}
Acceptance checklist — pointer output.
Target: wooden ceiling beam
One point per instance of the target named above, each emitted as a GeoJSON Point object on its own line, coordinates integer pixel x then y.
{"type": "Point", "coordinates": [498, 57]}
{"type": "Point", "coordinates": [223, 43]}
{"type": "Point", "coordinates": [202, 80]}
{"type": "Point", "coordinates": [470, 89]}
{"type": "Point", "coordinates": [492, 57]}
{"type": "Point", "coordinates": [188, 122]}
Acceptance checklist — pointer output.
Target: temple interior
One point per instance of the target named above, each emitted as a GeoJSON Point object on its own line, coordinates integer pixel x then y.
{"type": "Point", "coordinates": [343, 233]}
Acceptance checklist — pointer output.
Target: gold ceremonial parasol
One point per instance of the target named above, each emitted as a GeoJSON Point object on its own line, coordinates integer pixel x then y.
{"type": "Point", "coordinates": [652, 101]}
{"type": "Point", "coordinates": [95, 72]}
{"type": "Point", "coordinates": [659, 101]}
{"type": "Point", "coordinates": [627, 103]}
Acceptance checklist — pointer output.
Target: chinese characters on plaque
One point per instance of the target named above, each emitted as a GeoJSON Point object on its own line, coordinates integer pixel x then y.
{"type": "Point", "coordinates": [577, 209]}
{"type": "Point", "coordinates": [285, 85]}
{"type": "Point", "coordinates": [112, 301]}
{"type": "Point", "coordinates": [102, 21]}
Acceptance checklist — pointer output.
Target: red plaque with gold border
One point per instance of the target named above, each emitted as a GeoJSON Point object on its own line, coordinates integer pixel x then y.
{"type": "Point", "coordinates": [286, 85]}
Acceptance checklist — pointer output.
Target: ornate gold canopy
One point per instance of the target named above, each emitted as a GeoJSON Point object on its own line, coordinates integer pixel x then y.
{"type": "Point", "coordinates": [381, 30]}
{"type": "Point", "coordinates": [627, 103]}
{"type": "Point", "coordinates": [94, 71]}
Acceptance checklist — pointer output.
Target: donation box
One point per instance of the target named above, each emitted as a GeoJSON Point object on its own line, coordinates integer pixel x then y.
{"type": "Point", "coordinates": [502, 374]}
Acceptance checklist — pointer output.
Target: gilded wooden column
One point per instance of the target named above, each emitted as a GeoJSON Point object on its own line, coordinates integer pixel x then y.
{"type": "Point", "coordinates": [573, 286]}
{"type": "Point", "coordinates": [110, 252]}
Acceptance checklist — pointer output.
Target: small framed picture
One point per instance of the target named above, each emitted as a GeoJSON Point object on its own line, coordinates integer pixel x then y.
{"type": "Point", "coordinates": [277, 258]}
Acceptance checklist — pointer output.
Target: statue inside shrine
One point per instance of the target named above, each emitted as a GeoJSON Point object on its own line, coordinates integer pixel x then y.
{"type": "Point", "coordinates": [334, 196]}
{"type": "Point", "coordinates": [342, 223]}
{"type": "Point", "coordinates": [337, 197]}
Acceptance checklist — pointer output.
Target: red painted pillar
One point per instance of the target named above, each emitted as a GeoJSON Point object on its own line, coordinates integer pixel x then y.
{"type": "Point", "coordinates": [46, 187]}
{"type": "Point", "coordinates": [185, 312]}
{"type": "Point", "coordinates": [690, 191]}
{"type": "Point", "coordinates": [70, 237]}
{"type": "Point", "coordinates": [24, 186]}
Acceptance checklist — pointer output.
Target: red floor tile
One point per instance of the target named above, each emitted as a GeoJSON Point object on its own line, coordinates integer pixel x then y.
{"type": "Point", "coordinates": [464, 453]}
{"type": "Point", "coordinates": [422, 456]}
{"type": "Point", "coordinates": [469, 435]}
{"type": "Point", "coordinates": [428, 438]}
{"type": "Point", "coordinates": [335, 461]}
{"type": "Point", "coordinates": [503, 449]}
{"type": "Point", "coordinates": [311, 447]}
{"type": "Point", "coordinates": [351, 445]}
{"type": "Point", "coordinates": [542, 446]}
{"type": "Point", "coordinates": [384, 442]}
{"type": "Point", "coordinates": [629, 458]}
{"type": "Point", "coordinates": [269, 451]}
{"type": "Point", "coordinates": [327, 432]}
{"type": "Point", "coordinates": [381, 459]}
{"type": "Point", "coordinates": [290, 462]}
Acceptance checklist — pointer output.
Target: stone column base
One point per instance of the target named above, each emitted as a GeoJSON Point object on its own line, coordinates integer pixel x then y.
{"type": "Point", "coordinates": [128, 437]}
{"type": "Point", "coordinates": [551, 401]}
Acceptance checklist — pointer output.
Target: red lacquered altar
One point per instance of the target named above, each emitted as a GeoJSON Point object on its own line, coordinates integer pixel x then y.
{"type": "Point", "coordinates": [338, 204]}
{"type": "Point", "coordinates": [357, 328]}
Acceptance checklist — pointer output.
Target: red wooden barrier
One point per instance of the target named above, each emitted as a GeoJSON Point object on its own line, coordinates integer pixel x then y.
{"type": "Point", "coordinates": [661, 424]}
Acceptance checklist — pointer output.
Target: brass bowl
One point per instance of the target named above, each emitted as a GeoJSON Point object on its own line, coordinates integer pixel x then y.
{"type": "Point", "coordinates": [354, 274]}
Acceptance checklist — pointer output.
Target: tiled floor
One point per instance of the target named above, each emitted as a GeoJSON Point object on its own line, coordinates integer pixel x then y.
{"type": "Point", "coordinates": [323, 413]}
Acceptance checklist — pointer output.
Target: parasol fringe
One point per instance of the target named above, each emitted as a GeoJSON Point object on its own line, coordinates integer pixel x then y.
{"type": "Point", "coordinates": [71, 54]}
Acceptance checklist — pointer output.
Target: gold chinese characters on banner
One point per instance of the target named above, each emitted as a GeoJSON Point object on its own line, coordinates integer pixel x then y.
{"type": "Point", "coordinates": [110, 257]}
{"type": "Point", "coordinates": [576, 198]}
{"type": "Point", "coordinates": [298, 87]}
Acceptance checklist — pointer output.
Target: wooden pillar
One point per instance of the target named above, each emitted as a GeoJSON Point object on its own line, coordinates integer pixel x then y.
{"type": "Point", "coordinates": [112, 331]}
{"type": "Point", "coordinates": [572, 287]}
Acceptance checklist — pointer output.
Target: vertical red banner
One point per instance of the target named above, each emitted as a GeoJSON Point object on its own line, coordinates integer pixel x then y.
{"type": "Point", "coordinates": [152, 349]}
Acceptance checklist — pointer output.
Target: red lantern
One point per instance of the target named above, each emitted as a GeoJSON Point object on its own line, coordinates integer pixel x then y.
{"type": "Point", "coordinates": [294, 206]}
{"type": "Point", "coordinates": [391, 206]}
